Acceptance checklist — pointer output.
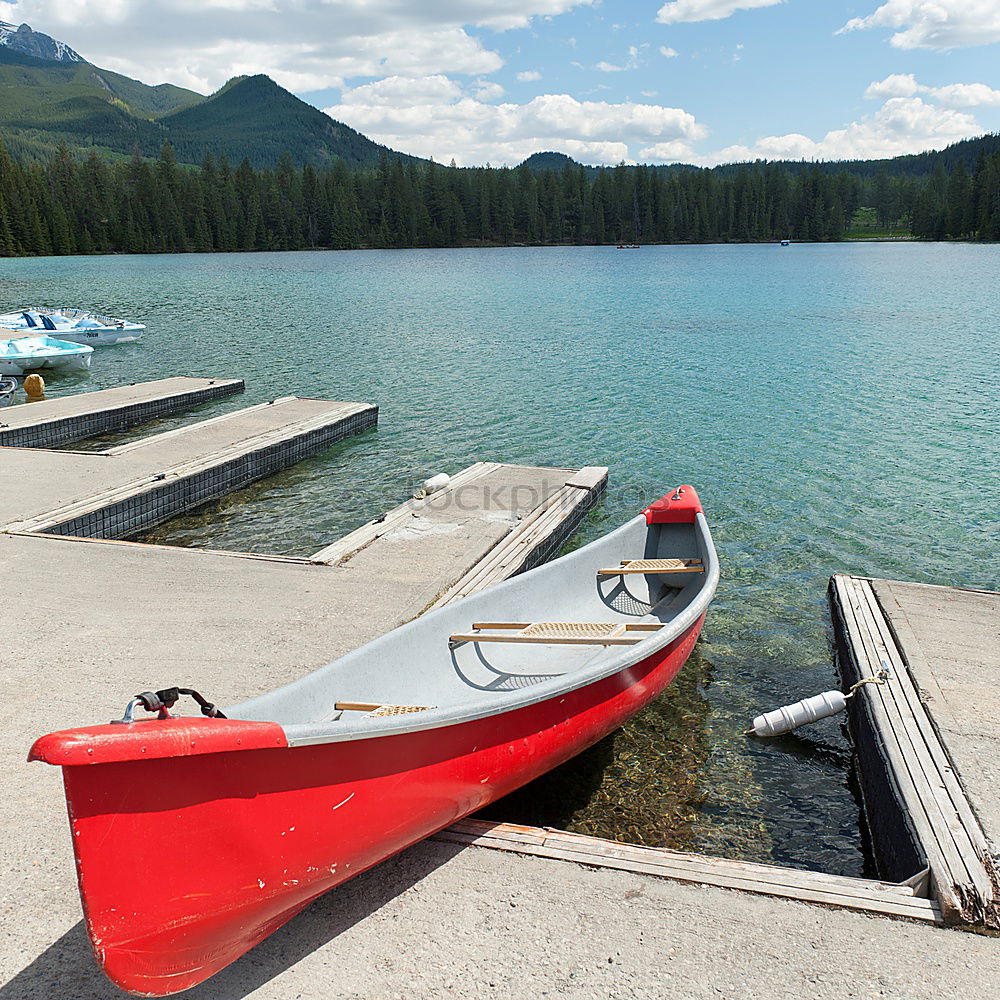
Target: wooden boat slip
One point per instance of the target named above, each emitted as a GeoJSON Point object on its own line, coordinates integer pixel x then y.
{"type": "Point", "coordinates": [867, 895]}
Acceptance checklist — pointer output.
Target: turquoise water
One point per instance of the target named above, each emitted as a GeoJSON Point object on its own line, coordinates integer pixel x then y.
{"type": "Point", "coordinates": [834, 404]}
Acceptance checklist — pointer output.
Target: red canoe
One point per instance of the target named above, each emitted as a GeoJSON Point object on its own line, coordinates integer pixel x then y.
{"type": "Point", "coordinates": [234, 824]}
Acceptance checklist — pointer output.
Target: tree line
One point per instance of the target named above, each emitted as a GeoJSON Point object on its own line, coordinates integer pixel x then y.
{"type": "Point", "coordinates": [68, 206]}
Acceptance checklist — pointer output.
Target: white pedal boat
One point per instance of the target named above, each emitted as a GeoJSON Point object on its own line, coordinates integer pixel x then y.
{"type": "Point", "coordinates": [27, 354]}
{"type": "Point", "coordinates": [76, 326]}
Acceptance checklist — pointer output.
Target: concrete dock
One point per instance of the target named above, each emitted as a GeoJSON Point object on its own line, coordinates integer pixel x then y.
{"type": "Point", "coordinates": [124, 490]}
{"type": "Point", "coordinates": [65, 419]}
{"type": "Point", "coordinates": [485, 909]}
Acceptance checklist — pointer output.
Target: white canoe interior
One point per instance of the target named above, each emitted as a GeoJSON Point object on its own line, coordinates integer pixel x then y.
{"type": "Point", "coordinates": [569, 623]}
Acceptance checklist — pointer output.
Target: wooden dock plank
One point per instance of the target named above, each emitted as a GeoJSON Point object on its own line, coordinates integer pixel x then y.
{"type": "Point", "coordinates": [919, 787]}
{"type": "Point", "coordinates": [883, 898]}
{"type": "Point", "coordinates": [891, 723]}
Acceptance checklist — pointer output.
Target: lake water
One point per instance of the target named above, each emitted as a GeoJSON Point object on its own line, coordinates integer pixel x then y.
{"type": "Point", "coordinates": [835, 405]}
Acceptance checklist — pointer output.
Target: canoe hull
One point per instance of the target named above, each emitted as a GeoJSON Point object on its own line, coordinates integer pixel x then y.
{"type": "Point", "coordinates": [226, 847]}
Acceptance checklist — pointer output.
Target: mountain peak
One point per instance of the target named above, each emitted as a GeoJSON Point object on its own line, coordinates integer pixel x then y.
{"type": "Point", "coordinates": [25, 40]}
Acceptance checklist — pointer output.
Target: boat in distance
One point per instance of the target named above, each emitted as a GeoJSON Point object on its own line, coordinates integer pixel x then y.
{"type": "Point", "coordinates": [244, 817]}
{"type": "Point", "coordinates": [79, 326]}
{"type": "Point", "coordinates": [27, 354]}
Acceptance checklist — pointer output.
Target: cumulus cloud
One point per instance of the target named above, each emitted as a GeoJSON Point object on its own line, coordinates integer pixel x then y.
{"type": "Point", "coordinates": [954, 95]}
{"type": "Point", "coordinates": [894, 85]}
{"type": "Point", "coordinates": [667, 152]}
{"type": "Point", "coordinates": [966, 95]}
{"type": "Point", "coordinates": [934, 24]}
{"type": "Point", "coordinates": [667, 52]}
{"type": "Point", "coordinates": [487, 90]}
{"type": "Point", "coordinates": [529, 75]}
{"type": "Point", "coordinates": [676, 11]}
{"type": "Point", "coordinates": [303, 44]}
{"type": "Point", "coordinates": [901, 125]}
{"type": "Point", "coordinates": [436, 116]}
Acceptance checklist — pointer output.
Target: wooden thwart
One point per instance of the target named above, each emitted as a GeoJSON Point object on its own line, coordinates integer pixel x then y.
{"type": "Point", "coordinates": [559, 633]}
{"type": "Point", "coordinates": [653, 567]}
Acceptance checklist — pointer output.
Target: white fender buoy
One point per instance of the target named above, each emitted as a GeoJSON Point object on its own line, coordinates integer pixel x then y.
{"type": "Point", "coordinates": [435, 483]}
{"type": "Point", "coordinates": [819, 706]}
{"type": "Point", "coordinates": [784, 720]}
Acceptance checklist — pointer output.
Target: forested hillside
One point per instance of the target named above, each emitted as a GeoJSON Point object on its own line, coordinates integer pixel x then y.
{"type": "Point", "coordinates": [66, 206]}
{"type": "Point", "coordinates": [44, 104]}
{"type": "Point", "coordinates": [253, 118]}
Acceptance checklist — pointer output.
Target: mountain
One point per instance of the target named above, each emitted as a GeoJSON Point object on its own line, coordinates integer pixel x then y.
{"type": "Point", "coordinates": [45, 102]}
{"type": "Point", "coordinates": [49, 95]}
{"type": "Point", "coordinates": [34, 43]}
{"type": "Point", "coordinates": [252, 117]}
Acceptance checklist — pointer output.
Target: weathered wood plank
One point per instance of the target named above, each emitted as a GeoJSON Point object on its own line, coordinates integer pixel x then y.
{"type": "Point", "coordinates": [809, 887]}
{"type": "Point", "coordinates": [927, 792]}
{"type": "Point", "coordinates": [917, 799]}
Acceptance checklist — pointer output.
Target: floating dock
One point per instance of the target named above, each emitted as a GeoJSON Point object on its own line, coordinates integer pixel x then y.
{"type": "Point", "coordinates": [928, 735]}
{"type": "Point", "coordinates": [66, 419]}
{"type": "Point", "coordinates": [128, 489]}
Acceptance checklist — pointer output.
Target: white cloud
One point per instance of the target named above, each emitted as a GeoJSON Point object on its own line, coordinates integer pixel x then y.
{"type": "Point", "coordinates": [303, 44]}
{"type": "Point", "coordinates": [676, 11]}
{"type": "Point", "coordinates": [667, 52]}
{"type": "Point", "coordinates": [901, 125]}
{"type": "Point", "coordinates": [954, 95]}
{"type": "Point", "coordinates": [934, 24]}
{"type": "Point", "coordinates": [487, 90]}
{"type": "Point", "coordinates": [667, 152]}
{"type": "Point", "coordinates": [528, 75]}
{"type": "Point", "coordinates": [435, 116]}
{"type": "Point", "coordinates": [966, 95]}
{"type": "Point", "coordinates": [631, 63]}
{"type": "Point", "coordinates": [895, 85]}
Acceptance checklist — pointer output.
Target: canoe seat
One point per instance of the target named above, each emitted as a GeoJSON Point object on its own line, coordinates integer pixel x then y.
{"type": "Point", "coordinates": [557, 633]}
{"type": "Point", "coordinates": [652, 567]}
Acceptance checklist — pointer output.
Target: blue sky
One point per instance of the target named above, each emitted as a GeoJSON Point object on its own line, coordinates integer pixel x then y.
{"type": "Point", "coordinates": [700, 81]}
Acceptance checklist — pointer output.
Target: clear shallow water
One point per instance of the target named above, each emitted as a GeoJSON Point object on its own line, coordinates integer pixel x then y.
{"type": "Point", "coordinates": [834, 404]}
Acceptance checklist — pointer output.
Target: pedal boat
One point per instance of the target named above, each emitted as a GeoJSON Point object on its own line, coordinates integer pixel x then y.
{"type": "Point", "coordinates": [237, 821]}
{"type": "Point", "coordinates": [77, 326]}
{"type": "Point", "coordinates": [27, 354]}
